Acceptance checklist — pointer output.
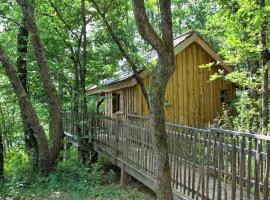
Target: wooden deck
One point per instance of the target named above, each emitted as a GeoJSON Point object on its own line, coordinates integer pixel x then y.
{"type": "Point", "coordinates": [205, 164]}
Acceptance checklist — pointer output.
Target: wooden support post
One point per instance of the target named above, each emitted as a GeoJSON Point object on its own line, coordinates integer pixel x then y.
{"type": "Point", "coordinates": [124, 176]}
{"type": "Point", "coordinates": [116, 139]}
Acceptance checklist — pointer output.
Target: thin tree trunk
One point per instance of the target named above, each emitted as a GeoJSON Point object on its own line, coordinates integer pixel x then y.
{"type": "Point", "coordinates": [76, 94]}
{"type": "Point", "coordinates": [265, 75]}
{"type": "Point", "coordinates": [1, 155]}
{"type": "Point", "coordinates": [50, 90]}
{"type": "Point", "coordinates": [85, 154]}
{"type": "Point", "coordinates": [30, 140]}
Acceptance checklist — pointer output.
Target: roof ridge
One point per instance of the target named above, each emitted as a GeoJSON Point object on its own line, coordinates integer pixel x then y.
{"type": "Point", "coordinates": [183, 34]}
{"type": "Point", "coordinates": [175, 38]}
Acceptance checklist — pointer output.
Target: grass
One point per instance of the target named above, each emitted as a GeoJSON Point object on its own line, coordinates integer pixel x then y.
{"type": "Point", "coordinates": [69, 181]}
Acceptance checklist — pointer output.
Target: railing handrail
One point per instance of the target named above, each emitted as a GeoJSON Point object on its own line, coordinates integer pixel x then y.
{"type": "Point", "coordinates": [215, 130]}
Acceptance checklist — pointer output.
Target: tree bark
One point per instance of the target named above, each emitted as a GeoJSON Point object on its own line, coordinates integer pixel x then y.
{"type": "Point", "coordinates": [85, 154]}
{"type": "Point", "coordinates": [1, 155]}
{"type": "Point", "coordinates": [30, 140]}
{"type": "Point", "coordinates": [3, 131]}
{"type": "Point", "coordinates": [159, 79]}
{"type": "Point", "coordinates": [32, 118]}
{"type": "Point", "coordinates": [50, 90]}
{"type": "Point", "coordinates": [265, 54]}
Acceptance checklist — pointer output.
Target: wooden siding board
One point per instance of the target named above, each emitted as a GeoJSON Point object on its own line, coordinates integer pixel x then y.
{"type": "Point", "coordinates": [202, 89]}
{"type": "Point", "coordinates": [175, 92]}
{"type": "Point", "coordinates": [190, 86]}
{"type": "Point", "coordinates": [180, 87]}
{"type": "Point", "coordinates": [185, 87]}
{"type": "Point", "coordinates": [196, 85]}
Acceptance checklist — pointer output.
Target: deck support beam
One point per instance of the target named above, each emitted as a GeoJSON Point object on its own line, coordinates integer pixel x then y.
{"type": "Point", "coordinates": [124, 176]}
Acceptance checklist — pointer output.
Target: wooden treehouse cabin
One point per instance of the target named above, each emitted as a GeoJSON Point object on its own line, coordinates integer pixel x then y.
{"type": "Point", "coordinates": [191, 98]}
{"type": "Point", "coordinates": [205, 163]}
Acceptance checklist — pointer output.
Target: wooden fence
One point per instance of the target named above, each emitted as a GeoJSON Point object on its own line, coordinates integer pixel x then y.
{"type": "Point", "coordinates": [205, 164]}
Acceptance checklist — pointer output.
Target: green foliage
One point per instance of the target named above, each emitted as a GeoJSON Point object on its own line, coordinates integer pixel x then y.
{"type": "Point", "coordinates": [241, 114]}
{"type": "Point", "coordinates": [16, 160]}
{"type": "Point", "coordinates": [69, 181]}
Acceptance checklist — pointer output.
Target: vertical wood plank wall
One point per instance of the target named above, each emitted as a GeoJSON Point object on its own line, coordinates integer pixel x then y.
{"type": "Point", "coordinates": [191, 98]}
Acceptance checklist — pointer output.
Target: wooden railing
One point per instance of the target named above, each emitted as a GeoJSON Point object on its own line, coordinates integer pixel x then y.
{"type": "Point", "coordinates": [205, 164]}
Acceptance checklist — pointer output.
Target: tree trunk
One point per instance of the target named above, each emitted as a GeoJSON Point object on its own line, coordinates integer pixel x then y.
{"type": "Point", "coordinates": [32, 118]}
{"type": "Point", "coordinates": [265, 74]}
{"type": "Point", "coordinates": [75, 57]}
{"type": "Point", "coordinates": [157, 124]}
{"type": "Point", "coordinates": [30, 140]}
{"type": "Point", "coordinates": [85, 153]}
{"type": "Point", "coordinates": [1, 156]}
{"type": "Point", "coordinates": [157, 86]}
{"type": "Point", "coordinates": [265, 100]}
{"type": "Point", "coordinates": [50, 90]}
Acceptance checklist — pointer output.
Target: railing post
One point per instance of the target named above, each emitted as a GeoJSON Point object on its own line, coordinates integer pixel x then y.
{"type": "Point", "coordinates": [117, 134]}
{"type": "Point", "coordinates": [233, 166]}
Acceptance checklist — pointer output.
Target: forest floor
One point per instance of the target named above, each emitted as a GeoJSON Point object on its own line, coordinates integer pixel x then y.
{"type": "Point", "coordinates": [71, 181]}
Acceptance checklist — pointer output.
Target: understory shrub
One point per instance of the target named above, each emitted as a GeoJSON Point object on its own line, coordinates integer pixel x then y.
{"type": "Point", "coordinates": [69, 181]}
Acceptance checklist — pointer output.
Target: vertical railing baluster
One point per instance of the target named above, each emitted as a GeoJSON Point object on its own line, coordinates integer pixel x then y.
{"type": "Point", "coordinates": [215, 164]}
{"type": "Point", "coordinates": [208, 163]}
{"type": "Point", "coordinates": [257, 169]}
{"type": "Point", "coordinates": [189, 160]}
{"type": "Point", "coordinates": [242, 168]}
{"type": "Point", "coordinates": [220, 160]}
{"type": "Point", "coordinates": [267, 169]}
{"type": "Point", "coordinates": [234, 168]}
{"type": "Point", "coordinates": [194, 160]}
{"type": "Point", "coordinates": [226, 165]}
{"type": "Point", "coordinates": [185, 159]}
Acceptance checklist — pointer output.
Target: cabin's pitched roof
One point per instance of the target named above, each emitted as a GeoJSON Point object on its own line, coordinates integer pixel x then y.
{"type": "Point", "coordinates": [180, 42]}
{"type": "Point", "coordinates": [151, 54]}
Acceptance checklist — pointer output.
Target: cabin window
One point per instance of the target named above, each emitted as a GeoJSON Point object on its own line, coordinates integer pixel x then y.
{"type": "Point", "coordinates": [224, 96]}
{"type": "Point", "coordinates": [116, 102]}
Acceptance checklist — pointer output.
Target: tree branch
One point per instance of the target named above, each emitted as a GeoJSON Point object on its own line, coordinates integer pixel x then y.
{"type": "Point", "coordinates": [122, 50]}
{"type": "Point", "coordinates": [61, 18]}
{"type": "Point", "coordinates": [10, 19]}
{"type": "Point", "coordinates": [145, 28]}
{"type": "Point", "coordinates": [166, 21]}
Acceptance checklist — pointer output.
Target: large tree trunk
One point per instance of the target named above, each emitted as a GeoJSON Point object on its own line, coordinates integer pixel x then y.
{"type": "Point", "coordinates": [50, 90]}
{"type": "Point", "coordinates": [30, 140]}
{"type": "Point", "coordinates": [1, 156]}
{"type": "Point", "coordinates": [157, 123]}
{"type": "Point", "coordinates": [265, 75]}
{"type": "Point", "coordinates": [158, 82]}
{"type": "Point", "coordinates": [32, 118]}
